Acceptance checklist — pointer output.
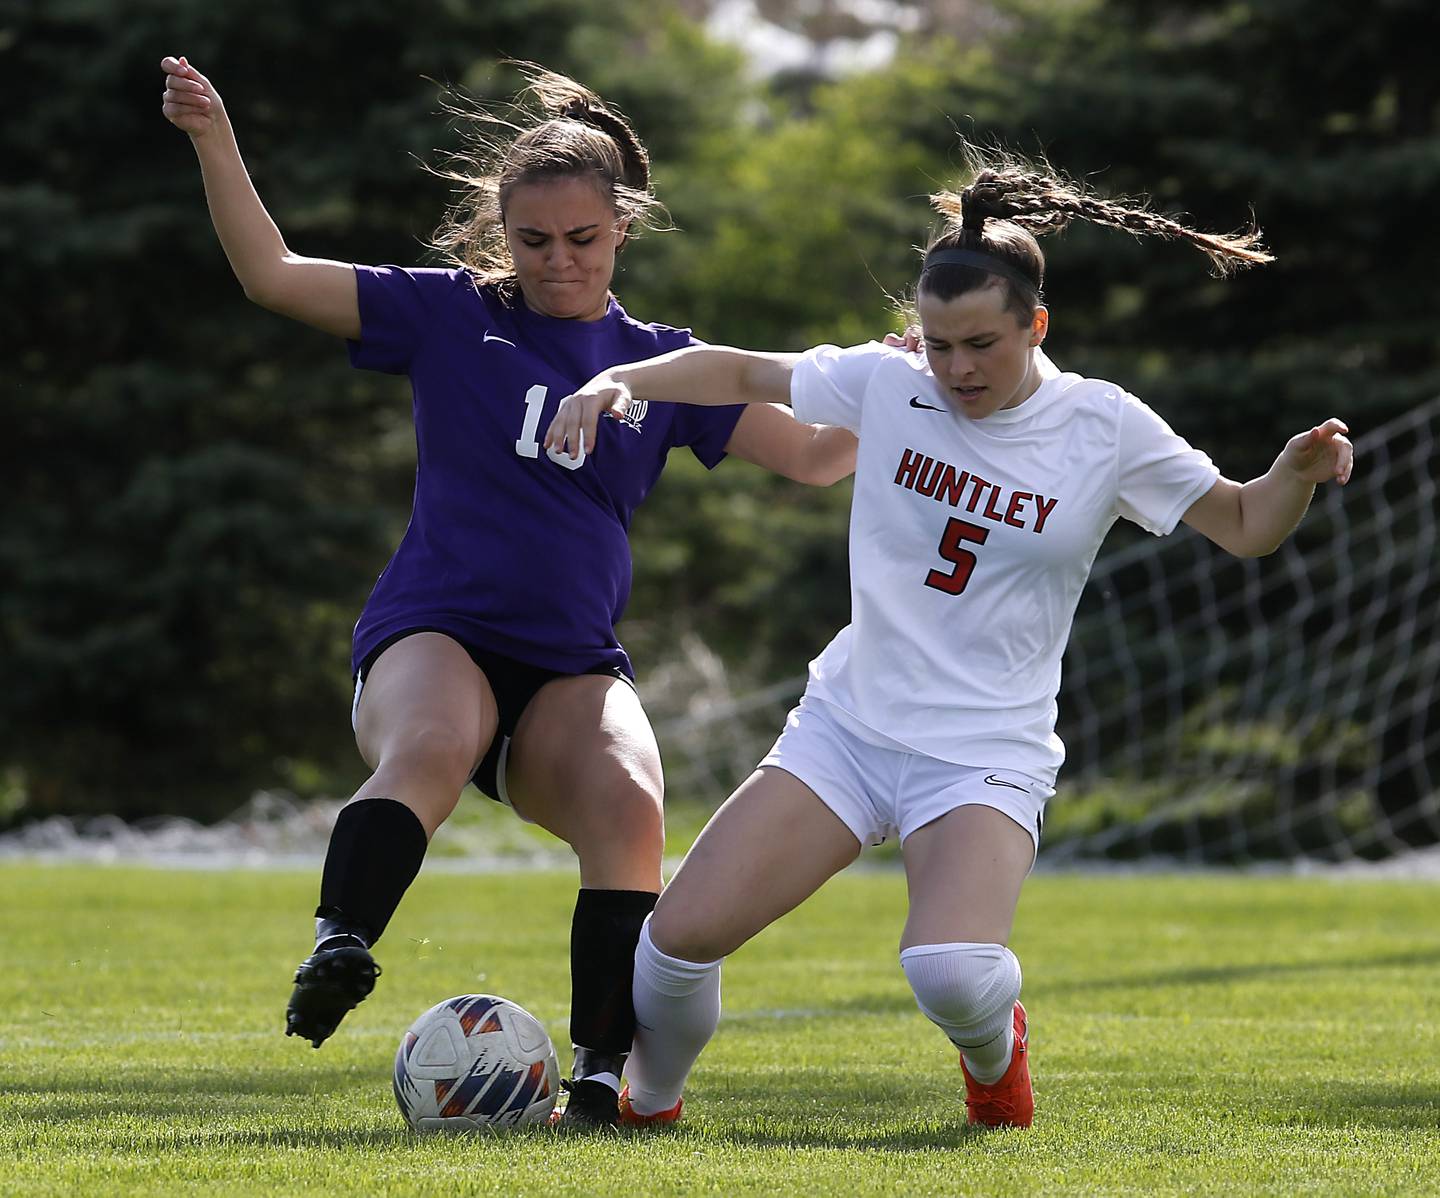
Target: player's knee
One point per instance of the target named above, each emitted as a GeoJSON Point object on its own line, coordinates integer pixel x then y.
{"type": "Point", "coordinates": [962, 985]}
{"type": "Point", "coordinates": [683, 932]}
{"type": "Point", "coordinates": [624, 817]}
{"type": "Point", "coordinates": [440, 751]}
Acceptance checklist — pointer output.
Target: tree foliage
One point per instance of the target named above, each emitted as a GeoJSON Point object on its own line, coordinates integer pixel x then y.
{"type": "Point", "coordinates": [1322, 123]}
{"type": "Point", "coordinates": [199, 494]}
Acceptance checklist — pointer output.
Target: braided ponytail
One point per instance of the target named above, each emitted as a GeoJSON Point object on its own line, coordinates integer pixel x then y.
{"type": "Point", "coordinates": [1009, 202]}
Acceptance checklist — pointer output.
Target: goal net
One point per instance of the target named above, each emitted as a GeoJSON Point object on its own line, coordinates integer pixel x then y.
{"type": "Point", "coordinates": [1218, 708]}
{"type": "Point", "coordinates": [1214, 708]}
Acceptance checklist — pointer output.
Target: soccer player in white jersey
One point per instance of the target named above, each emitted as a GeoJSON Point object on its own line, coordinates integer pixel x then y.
{"type": "Point", "coordinates": [987, 480]}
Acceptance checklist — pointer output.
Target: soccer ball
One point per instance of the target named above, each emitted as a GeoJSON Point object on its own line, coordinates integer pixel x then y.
{"type": "Point", "coordinates": [475, 1062]}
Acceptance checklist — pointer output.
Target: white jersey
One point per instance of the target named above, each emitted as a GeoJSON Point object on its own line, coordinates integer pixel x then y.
{"type": "Point", "coordinates": [970, 542]}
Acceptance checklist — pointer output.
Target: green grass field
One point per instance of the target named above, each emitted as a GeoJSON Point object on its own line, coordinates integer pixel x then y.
{"type": "Point", "coordinates": [1191, 1035]}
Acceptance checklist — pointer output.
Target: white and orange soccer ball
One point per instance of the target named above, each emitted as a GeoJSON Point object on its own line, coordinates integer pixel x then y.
{"type": "Point", "coordinates": [476, 1062]}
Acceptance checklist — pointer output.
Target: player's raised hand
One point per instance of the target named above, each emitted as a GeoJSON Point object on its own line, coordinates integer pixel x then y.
{"type": "Point", "coordinates": [1322, 455]}
{"type": "Point", "coordinates": [574, 426]}
{"type": "Point", "coordinates": [191, 102]}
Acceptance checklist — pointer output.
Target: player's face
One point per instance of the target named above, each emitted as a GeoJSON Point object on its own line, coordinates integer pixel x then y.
{"type": "Point", "coordinates": [980, 353]}
{"type": "Point", "coordinates": [562, 235]}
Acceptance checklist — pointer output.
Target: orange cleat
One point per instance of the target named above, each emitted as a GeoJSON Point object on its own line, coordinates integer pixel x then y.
{"type": "Point", "coordinates": [1010, 1102]}
{"type": "Point", "coordinates": [630, 1117]}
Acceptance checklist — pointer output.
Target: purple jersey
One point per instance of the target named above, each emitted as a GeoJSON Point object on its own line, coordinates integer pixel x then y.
{"type": "Point", "coordinates": [510, 548]}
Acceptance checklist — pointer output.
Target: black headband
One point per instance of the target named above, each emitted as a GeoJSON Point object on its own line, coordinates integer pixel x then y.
{"type": "Point", "coordinates": [985, 262]}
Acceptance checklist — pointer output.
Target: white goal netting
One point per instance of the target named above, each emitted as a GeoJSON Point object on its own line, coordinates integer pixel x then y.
{"type": "Point", "coordinates": [1218, 709]}
{"type": "Point", "coordinates": [1226, 709]}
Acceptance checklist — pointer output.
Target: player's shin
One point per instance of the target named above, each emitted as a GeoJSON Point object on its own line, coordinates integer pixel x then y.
{"type": "Point", "coordinates": [375, 852]}
{"type": "Point", "coordinates": [603, 935]}
{"type": "Point", "coordinates": [677, 1007]}
{"type": "Point", "coordinates": [602, 1019]}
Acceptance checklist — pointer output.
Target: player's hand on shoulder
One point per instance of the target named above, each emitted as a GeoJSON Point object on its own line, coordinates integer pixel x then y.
{"type": "Point", "coordinates": [191, 103]}
{"type": "Point", "coordinates": [909, 340]}
{"type": "Point", "coordinates": [573, 430]}
{"type": "Point", "coordinates": [1322, 454]}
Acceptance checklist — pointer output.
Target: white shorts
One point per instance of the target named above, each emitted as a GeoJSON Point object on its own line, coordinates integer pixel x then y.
{"type": "Point", "coordinates": [879, 793]}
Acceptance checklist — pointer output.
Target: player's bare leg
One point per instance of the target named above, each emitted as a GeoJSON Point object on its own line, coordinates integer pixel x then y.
{"type": "Point", "coordinates": [426, 715]}
{"type": "Point", "coordinates": [964, 872]}
{"type": "Point", "coordinates": [425, 719]}
{"type": "Point", "coordinates": [584, 764]}
{"type": "Point", "coordinates": [769, 847]}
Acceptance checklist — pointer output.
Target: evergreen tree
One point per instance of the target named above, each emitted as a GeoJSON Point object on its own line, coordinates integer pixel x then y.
{"type": "Point", "coordinates": [1322, 119]}
{"type": "Point", "coordinates": [199, 493]}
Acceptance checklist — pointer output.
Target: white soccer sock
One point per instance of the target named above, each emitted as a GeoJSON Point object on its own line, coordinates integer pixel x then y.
{"type": "Point", "coordinates": [969, 992]}
{"type": "Point", "coordinates": [677, 1006]}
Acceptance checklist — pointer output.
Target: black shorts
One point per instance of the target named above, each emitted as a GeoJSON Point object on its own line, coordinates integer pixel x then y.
{"type": "Point", "coordinates": [513, 684]}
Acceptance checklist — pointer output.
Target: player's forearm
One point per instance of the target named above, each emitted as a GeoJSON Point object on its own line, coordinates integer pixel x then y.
{"type": "Point", "coordinates": [769, 436]}
{"type": "Point", "coordinates": [708, 375]}
{"type": "Point", "coordinates": [251, 241]}
{"type": "Point", "coordinates": [1271, 507]}
{"type": "Point", "coordinates": [829, 456]}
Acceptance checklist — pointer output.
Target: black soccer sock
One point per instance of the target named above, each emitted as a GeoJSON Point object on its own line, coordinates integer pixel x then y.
{"type": "Point", "coordinates": [375, 852]}
{"type": "Point", "coordinates": [603, 936]}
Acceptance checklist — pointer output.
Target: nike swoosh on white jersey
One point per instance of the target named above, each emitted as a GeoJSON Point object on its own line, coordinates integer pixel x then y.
{"type": "Point", "coordinates": [502, 340]}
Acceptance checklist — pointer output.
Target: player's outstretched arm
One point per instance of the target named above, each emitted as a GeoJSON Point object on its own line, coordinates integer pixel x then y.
{"type": "Point", "coordinates": [1254, 519]}
{"type": "Point", "coordinates": [707, 375]}
{"type": "Point", "coordinates": [316, 291]}
{"type": "Point", "coordinates": [816, 454]}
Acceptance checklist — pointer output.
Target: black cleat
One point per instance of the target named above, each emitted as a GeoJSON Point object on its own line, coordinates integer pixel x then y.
{"type": "Point", "coordinates": [329, 982]}
{"type": "Point", "coordinates": [593, 1106]}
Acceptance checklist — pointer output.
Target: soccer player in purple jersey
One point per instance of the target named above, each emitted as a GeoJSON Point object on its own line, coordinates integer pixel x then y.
{"type": "Point", "coordinates": [487, 650]}
{"type": "Point", "coordinates": [987, 480]}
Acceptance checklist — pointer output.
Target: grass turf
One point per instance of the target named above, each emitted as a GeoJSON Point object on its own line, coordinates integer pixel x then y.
{"type": "Point", "coordinates": [1191, 1035]}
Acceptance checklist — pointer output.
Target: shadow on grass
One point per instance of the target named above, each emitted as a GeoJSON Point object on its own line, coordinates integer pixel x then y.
{"type": "Point", "coordinates": [297, 1137]}
{"type": "Point", "coordinates": [210, 1112]}
{"type": "Point", "coordinates": [1394, 1106]}
{"type": "Point", "coordinates": [858, 1111]}
{"type": "Point", "coordinates": [1211, 975]}
{"type": "Point", "coordinates": [745, 1115]}
{"type": "Point", "coordinates": [840, 1122]}
{"type": "Point", "coordinates": [182, 1094]}
{"type": "Point", "coordinates": [892, 1001]}
{"type": "Point", "coordinates": [921, 1138]}
{"type": "Point", "coordinates": [184, 1083]}
{"type": "Point", "coordinates": [898, 1000]}
{"type": "Point", "coordinates": [205, 1119]}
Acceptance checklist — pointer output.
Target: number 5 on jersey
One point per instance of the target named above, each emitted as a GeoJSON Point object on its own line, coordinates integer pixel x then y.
{"type": "Point", "coordinates": [952, 549]}
{"type": "Point", "coordinates": [527, 445]}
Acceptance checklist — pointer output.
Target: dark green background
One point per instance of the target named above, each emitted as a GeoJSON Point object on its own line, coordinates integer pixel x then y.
{"type": "Point", "coordinates": [198, 494]}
